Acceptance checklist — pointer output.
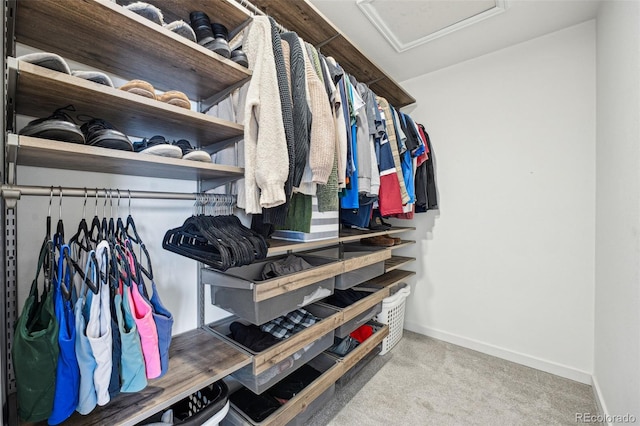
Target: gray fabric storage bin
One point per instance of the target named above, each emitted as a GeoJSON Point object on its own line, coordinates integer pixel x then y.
{"type": "Point", "coordinates": [237, 290]}
{"type": "Point", "coordinates": [259, 383]}
{"type": "Point", "coordinates": [322, 363]}
{"type": "Point", "coordinates": [347, 252]}
{"type": "Point", "coordinates": [355, 370]}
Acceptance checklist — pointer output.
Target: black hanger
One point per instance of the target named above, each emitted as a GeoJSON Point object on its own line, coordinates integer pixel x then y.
{"type": "Point", "coordinates": [120, 229]}
{"type": "Point", "coordinates": [131, 225]}
{"type": "Point", "coordinates": [111, 228]}
{"type": "Point", "coordinates": [58, 238]}
{"type": "Point", "coordinates": [94, 286]}
{"type": "Point", "coordinates": [95, 233]}
{"type": "Point", "coordinates": [64, 272]}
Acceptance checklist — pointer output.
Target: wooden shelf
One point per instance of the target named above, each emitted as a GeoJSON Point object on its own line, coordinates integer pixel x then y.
{"type": "Point", "coordinates": [197, 359]}
{"type": "Point", "coordinates": [397, 262]}
{"type": "Point", "coordinates": [108, 37]}
{"type": "Point", "coordinates": [310, 24]}
{"type": "Point", "coordinates": [280, 246]}
{"type": "Point", "coordinates": [63, 155]}
{"type": "Point", "coordinates": [386, 280]}
{"type": "Point", "coordinates": [403, 243]}
{"type": "Point", "coordinates": [40, 91]}
{"type": "Point", "coordinates": [348, 234]}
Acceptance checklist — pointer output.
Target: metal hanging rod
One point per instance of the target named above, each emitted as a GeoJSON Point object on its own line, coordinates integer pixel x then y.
{"type": "Point", "coordinates": [253, 9]}
{"type": "Point", "coordinates": [12, 193]}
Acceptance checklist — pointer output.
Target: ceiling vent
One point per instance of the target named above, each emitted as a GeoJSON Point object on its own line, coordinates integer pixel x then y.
{"type": "Point", "coordinates": [409, 23]}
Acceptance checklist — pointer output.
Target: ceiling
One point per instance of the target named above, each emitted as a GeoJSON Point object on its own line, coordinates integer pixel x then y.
{"type": "Point", "coordinates": [410, 22]}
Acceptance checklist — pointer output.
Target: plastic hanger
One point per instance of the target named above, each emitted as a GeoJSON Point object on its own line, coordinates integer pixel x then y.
{"type": "Point", "coordinates": [95, 233]}
{"type": "Point", "coordinates": [131, 225]}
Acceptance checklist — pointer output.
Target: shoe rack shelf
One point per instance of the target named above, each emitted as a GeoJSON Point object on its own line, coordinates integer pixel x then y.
{"type": "Point", "coordinates": [105, 35]}
{"type": "Point", "coordinates": [396, 262]}
{"type": "Point", "coordinates": [39, 91]}
{"type": "Point", "coordinates": [37, 152]}
{"type": "Point", "coordinates": [197, 360]}
{"type": "Point", "coordinates": [346, 235]}
{"type": "Point", "coordinates": [403, 243]}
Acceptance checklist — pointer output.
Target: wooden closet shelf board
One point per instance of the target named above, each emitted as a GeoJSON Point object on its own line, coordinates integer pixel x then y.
{"type": "Point", "coordinates": [279, 246]}
{"type": "Point", "coordinates": [108, 37]}
{"type": "Point", "coordinates": [403, 243]}
{"type": "Point", "coordinates": [386, 280]}
{"type": "Point", "coordinates": [310, 24]}
{"type": "Point", "coordinates": [40, 91]}
{"type": "Point", "coordinates": [197, 360]}
{"type": "Point", "coordinates": [397, 262]}
{"type": "Point", "coordinates": [278, 286]}
{"type": "Point", "coordinates": [62, 155]}
{"type": "Point", "coordinates": [293, 344]}
{"type": "Point", "coordinates": [348, 234]}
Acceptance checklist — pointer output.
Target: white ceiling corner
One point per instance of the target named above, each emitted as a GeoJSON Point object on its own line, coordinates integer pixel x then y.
{"type": "Point", "coordinates": [408, 24]}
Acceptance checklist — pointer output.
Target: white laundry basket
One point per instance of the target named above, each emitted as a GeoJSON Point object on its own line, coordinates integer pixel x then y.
{"type": "Point", "coordinates": [393, 314]}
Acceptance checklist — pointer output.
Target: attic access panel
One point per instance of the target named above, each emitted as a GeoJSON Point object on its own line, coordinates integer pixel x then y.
{"type": "Point", "coordinates": [409, 23]}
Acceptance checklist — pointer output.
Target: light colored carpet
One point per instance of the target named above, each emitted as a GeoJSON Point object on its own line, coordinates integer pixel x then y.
{"type": "Point", "coordinates": [424, 381]}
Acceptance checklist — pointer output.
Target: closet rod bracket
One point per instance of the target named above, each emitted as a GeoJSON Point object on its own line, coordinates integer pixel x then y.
{"type": "Point", "coordinates": [206, 104]}
{"type": "Point", "coordinates": [13, 143]}
{"type": "Point", "coordinates": [11, 197]}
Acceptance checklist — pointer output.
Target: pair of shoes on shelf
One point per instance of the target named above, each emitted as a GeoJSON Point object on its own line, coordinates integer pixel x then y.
{"type": "Point", "coordinates": [60, 126]}
{"type": "Point", "coordinates": [381, 241]}
{"type": "Point", "coordinates": [158, 145]}
{"type": "Point", "coordinates": [143, 88]}
{"type": "Point", "coordinates": [57, 63]}
{"type": "Point", "coordinates": [214, 37]}
{"type": "Point", "coordinates": [154, 14]}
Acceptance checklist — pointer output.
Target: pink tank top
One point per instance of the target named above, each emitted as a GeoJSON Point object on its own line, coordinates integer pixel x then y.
{"type": "Point", "coordinates": [143, 317]}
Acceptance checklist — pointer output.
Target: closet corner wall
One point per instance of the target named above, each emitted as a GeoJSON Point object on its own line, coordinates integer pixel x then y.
{"type": "Point", "coordinates": [74, 29]}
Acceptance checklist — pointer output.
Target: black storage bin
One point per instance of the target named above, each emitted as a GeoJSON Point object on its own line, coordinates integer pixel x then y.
{"type": "Point", "coordinates": [199, 407]}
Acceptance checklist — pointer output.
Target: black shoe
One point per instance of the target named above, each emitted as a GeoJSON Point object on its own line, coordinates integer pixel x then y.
{"type": "Point", "coordinates": [58, 126]}
{"type": "Point", "coordinates": [239, 57]}
{"type": "Point", "coordinates": [202, 27]}
{"type": "Point", "coordinates": [190, 153]}
{"type": "Point", "coordinates": [221, 43]}
{"type": "Point", "coordinates": [99, 132]}
{"type": "Point", "coordinates": [158, 145]}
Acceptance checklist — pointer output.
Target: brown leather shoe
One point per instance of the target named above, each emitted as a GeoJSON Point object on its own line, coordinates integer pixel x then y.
{"type": "Point", "coordinates": [379, 240]}
{"type": "Point", "coordinates": [173, 97]}
{"type": "Point", "coordinates": [140, 87]}
{"type": "Point", "coordinates": [396, 240]}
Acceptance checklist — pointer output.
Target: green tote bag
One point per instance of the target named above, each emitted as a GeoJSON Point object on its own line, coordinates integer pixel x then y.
{"type": "Point", "coordinates": [35, 348]}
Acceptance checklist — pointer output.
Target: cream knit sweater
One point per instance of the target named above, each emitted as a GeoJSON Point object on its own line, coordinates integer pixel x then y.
{"type": "Point", "coordinates": [265, 144]}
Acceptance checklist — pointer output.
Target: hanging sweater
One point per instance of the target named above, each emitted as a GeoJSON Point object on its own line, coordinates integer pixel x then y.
{"type": "Point", "coordinates": [322, 146]}
{"type": "Point", "coordinates": [301, 111]}
{"type": "Point", "coordinates": [277, 215]}
{"type": "Point", "coordinates": [265, 144]}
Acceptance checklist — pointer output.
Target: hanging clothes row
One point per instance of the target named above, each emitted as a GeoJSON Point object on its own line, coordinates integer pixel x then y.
{"type": "Point", "coordinates": [93, 331]}
{"type": "Point", "coordinates": [312, 131]}
{"type": "Point", "coordinates": [216, 237]}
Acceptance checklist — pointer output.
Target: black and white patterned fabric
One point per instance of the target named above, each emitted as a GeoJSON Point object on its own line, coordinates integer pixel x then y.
{"type": "Point", "coordinates": [289, 324]}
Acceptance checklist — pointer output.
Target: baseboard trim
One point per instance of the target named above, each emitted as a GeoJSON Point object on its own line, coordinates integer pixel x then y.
{"type": "Point", "coordinates": [597, 395]}
{"type": "Point", "coordinates": [509, 355]}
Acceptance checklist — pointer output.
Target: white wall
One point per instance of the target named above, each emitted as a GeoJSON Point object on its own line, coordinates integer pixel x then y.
{"type": "Point", "coordinates": [617, 287]}
{"type": "Point", "coordinates": [508, 268]}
